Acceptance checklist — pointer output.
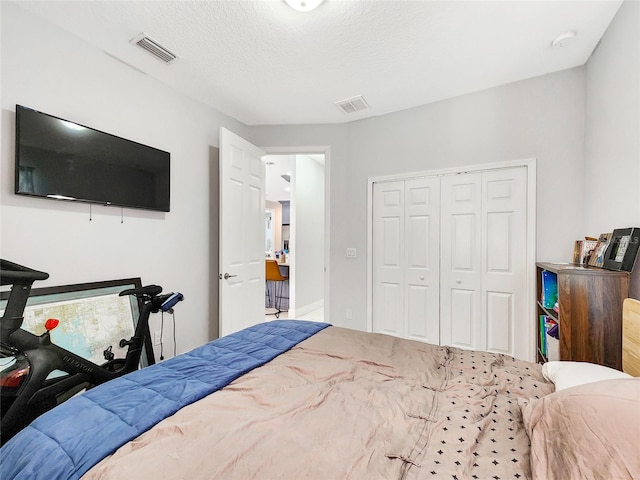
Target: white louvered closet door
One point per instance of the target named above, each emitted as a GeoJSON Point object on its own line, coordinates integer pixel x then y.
{"type": "Point", "coordinates": [406, 235]}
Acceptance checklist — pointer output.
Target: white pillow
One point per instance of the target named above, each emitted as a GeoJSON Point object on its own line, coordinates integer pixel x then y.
{"type": "Point", "coordinates": [571, 374]}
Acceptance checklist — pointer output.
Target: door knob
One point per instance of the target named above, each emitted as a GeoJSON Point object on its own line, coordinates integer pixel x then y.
{"type": "Point", "coordinates": [226, 276]}
{"type": "Point", "coordinates": [458, 280]}
{"type": "Point", "coordinates": [421, 277]}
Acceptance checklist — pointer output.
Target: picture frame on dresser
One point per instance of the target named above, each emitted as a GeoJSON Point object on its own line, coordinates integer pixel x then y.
{"type": "Point", "coordinates": [622, 249]}
{"type": "Point", "coordinates": [597, 258]}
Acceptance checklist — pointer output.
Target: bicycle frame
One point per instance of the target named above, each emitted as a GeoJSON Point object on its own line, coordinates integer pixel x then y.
{"type": "Point", "coordinates": [37, 357]}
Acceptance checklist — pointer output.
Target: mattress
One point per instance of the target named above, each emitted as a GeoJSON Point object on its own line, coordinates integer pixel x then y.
{"type": "Point", "coordinates": [344, 404]}
{"type": "Point", "coordinates": [68, 440]}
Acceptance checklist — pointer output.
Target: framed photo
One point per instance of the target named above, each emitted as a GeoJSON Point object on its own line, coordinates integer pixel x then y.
{"type": "Point", "coordinates": [577, 249]}
{"type": "Point", "coordinates": [623, 249]}
{"type": "Point", "coordinates": [583, 250]}
{"type": "Point", "coordinates": [597, 257]}
{"type": "Point", "coordinates": [93, 317]}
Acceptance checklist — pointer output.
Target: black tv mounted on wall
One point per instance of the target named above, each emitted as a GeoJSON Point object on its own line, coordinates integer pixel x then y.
{"type": "Point", "coordinates": [63, 160]}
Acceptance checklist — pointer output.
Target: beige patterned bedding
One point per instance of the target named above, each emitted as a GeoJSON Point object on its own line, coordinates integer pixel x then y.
{"type": "Point", "coordinates": [345, 404]}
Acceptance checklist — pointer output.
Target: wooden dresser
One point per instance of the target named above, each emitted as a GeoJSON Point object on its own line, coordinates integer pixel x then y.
{"type": "Point", "coordinates": [589, 314]}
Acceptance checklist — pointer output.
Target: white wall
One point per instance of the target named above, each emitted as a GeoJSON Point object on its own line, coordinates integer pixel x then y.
{"type": "Point", "coordinates": [612, 130]}
{"type": "Point", "coordinates": [307, 210]}
{"type": "Point", "coordinates": [542, 118]}
{"type": "Point", "coordinates": [612, 126]}
{"type": "Point", "coordinates": [290, 137]}
{"type": "Point", "coordinates": [48, 69]}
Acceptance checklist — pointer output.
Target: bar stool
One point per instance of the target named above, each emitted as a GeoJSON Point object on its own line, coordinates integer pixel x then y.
{"type": "Point", "coordinates": [273, 275]}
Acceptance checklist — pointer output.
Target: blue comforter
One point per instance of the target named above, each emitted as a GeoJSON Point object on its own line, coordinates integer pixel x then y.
{"type": "Point", "coordinates": [67, 441]}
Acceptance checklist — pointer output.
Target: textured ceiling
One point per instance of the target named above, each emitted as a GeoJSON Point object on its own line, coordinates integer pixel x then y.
{"type": "Point", "coordinates": [263, 63]}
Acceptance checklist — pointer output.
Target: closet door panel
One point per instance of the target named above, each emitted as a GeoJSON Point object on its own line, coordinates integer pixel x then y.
{"type": "Point", "coordinates": [460, 264]}
{"type": "Point", "coordinates": [417, 309]}
{"type": "Point", "coordinates": [390, 297]}
{"type": "Point", "coordinates": [504, 218]}
{"type": "Point", "coordinates": [450, 260]}
{"type": "Point", "coordinates": [422, 273]}
{"type": "Point", "coordinates": [388, 258]}
{"type": "Point", "coordinates": [463, 318]}
{"type": "Point", "coordinates": [499, 241]}
{"type": "Point", "coordinates": [500, 324]}
{"type": "Point", "coordinates": [463, 241]}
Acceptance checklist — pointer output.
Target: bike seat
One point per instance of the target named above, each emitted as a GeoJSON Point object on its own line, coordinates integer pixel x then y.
{"type": "Point", "coordinates": [11, 273]}
{"type": "Point", "coordinates": [149, 290]}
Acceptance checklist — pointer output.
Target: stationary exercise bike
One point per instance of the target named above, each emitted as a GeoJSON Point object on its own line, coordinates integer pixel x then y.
{"type": "Point", "coordinates": [27, 388]}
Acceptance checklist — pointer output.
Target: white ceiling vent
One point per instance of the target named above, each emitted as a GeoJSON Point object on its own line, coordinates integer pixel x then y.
{"type": "Point", "coordinates": [154, 48]}
{"type": "Point", "coordinates": [354, 104]}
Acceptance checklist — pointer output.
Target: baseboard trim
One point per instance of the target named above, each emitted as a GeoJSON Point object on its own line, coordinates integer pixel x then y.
{"type": "Point", "coordinates": [306, 309]}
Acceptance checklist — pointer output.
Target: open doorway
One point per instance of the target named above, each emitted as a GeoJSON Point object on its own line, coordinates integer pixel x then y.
{"type": "Point", "coordinates": [295, 224]}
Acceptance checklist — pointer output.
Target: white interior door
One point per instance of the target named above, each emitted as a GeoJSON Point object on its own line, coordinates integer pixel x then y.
{"type": "Point", "coordinates": [483, 269]}
{"type": "Point", "coordinates": [504, 264]}
{"type": "Point", "coordinates": [461, 263]}
{"type": "Point", "coordinates": [242, 233]}
{"type": "Point", "coordinates": [405, 258]}
{"type": "Point", "coordinates": [388, 258]}
{"type": "Point", "coordinates": [451, 258]}
{"type": "Point", "coordinates": [422, 259]}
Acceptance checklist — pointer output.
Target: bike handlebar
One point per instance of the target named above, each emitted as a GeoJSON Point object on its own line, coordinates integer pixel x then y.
{"type": "Point", "coordinates": [149, 290]}
{"type": "Point", "coordinates": [150, 295]}
{"type": "Point", "coordinates": [169, 301]}
{"type": "Point", "coordinates": [13, 273]}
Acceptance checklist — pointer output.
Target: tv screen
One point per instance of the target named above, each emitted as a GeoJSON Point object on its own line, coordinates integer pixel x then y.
{"type": "Point", "coordinates": [62, 160]}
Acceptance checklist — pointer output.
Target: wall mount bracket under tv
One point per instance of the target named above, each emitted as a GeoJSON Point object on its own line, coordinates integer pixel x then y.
{"type": "Point", "coordinates": [62, 160]}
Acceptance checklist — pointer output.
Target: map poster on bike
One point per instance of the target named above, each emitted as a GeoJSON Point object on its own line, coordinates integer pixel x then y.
{"type": "Point", "coordinates": [92, 317]}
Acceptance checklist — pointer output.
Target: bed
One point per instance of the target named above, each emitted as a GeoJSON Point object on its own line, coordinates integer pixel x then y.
{"type": "Point", "coordinates": [291, 400]}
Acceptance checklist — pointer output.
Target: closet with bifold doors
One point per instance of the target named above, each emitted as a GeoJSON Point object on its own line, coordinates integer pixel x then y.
{"type": "Point", "coordinates": [449, 259]}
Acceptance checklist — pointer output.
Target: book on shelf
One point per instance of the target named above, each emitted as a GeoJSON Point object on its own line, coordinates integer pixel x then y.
{"type": "Point", "coordinates": [549, 289]}
{"type": "Point", "coordinates": [549, 335]}
{"type": "Point", "coordinates": [542, 333]}
{"type": "Point", "coordinates": [552, 346]}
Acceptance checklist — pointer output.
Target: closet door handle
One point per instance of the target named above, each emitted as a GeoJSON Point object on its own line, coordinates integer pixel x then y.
{"type": "Point", "coordinates": [458, 281]}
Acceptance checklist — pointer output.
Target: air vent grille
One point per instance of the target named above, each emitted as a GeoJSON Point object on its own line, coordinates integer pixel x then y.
{"type": "Point", "coordinates": [154, 48]}
{"type": "Point", "coordinates": [352, 105]}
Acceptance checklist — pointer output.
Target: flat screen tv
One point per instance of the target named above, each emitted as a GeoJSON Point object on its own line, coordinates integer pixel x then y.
{"type": "Point", "coordinates": [63, 160]}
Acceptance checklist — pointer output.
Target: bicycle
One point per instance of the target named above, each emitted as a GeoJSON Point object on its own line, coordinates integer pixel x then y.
{"type": "Point", "coordinates": [27, 388]}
